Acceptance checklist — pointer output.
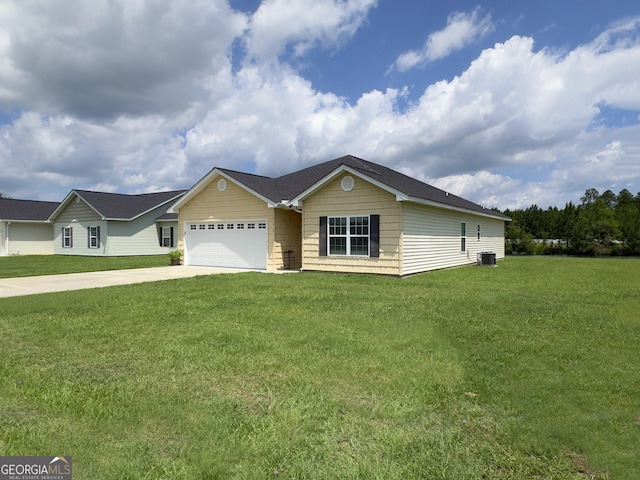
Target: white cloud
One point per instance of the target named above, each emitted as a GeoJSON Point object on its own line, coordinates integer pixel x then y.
{"type": "Point", "coordinates": [489, 189]}
{"type": "Point", "coordinates": [106, 58]}
{"type": "Point", "coordinates": [62, 152]}
{"type": "Point", "coordinates": [303, 24]}
{"type": "Point", "coordinates": [614, 166]}
{"type": "Point", "coordinates": [516, 127]}
{"type": "Point", "coordinates": [462, 29]}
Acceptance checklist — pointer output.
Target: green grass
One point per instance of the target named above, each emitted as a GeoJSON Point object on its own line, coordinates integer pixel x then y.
{"type": "Point", "coordinates": [33, 265]}
{"type": "Point", "coordinates": [528, 370]}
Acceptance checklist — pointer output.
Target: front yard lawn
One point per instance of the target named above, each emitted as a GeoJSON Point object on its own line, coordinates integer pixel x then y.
{"type": "Point", "coordinates": [528, 370]}
{"type": "Point", "coordinates": [33, 265]}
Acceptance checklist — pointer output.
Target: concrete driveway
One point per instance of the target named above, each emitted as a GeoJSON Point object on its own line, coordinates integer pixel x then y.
{"type": "Point", "coordinates": [14, 287]}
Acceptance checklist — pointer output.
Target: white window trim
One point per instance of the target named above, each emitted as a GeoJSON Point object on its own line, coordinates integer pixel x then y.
{"type": "Point", "coordinates": [94, 237]}
{"type": "Point", "coordinates": [348, 236]}
{"type": "Point", "coordinates": [463, 237]}
{"type": "Point", "coordinates": [67, 237]}
{"type": "Point", "coordinates": [166, 235]}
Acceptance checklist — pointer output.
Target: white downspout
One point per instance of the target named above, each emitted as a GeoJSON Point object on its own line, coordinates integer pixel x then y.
{"type": "Point", "coordinates": [6, 235]}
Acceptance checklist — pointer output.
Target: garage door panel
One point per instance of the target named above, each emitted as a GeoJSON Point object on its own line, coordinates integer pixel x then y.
{"type": "Point", "coordinates": [238, 244]}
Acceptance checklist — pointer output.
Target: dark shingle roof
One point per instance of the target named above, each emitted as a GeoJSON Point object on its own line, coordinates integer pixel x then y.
{"type": "Point", "coordinates": [167, 217]}
{"type": "Point", "coordinates": [26, 210]}
{"type": "Point", "coordinates": [125, 207]}
{"type": "Point", "coordinates": [293, 184]}
{"type": "Point", "coordinates": [265, 186]}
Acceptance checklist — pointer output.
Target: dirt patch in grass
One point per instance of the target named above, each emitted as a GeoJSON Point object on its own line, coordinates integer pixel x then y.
{"type": "Point", "coordinates": [580, 463]}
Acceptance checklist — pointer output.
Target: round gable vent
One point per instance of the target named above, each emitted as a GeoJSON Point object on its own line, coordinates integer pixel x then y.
{"type": "Point", "coordinates": [222, 184]}
{"type": "Point", "coordinates": [347, 183]}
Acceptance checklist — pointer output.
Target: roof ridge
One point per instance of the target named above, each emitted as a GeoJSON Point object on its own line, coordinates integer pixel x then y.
{"type": "Point", "coordinates": [27, 200]}
{"type": "Point", "coordinates": [242, 173]}
{"type": "Point", "coordinates": [130, 194]}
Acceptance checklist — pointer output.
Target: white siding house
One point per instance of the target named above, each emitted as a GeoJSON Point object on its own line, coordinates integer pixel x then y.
{"type": "Point", "coordinates": [110, 224]}
{"type": "Point", "coordinates": [28, 238]}
{"type": "Point", "coordinates": [24, 228]}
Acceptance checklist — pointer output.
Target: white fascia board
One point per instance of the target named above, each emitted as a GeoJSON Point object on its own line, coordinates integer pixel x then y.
{"type": "Point", "coordinates": [430, 203]}
{"type": "Point", "coordinates": [203, 182]}
{"type": "Point", "coordinates": [62, 206]}
{"type": "Point", "coordinates": [144, 213]}
{"type": "Point", "coordinates": [8, 220]}
{"type": "Point", "coordinates": [270, 203]}
{"type": "Point", "coordinates": [68, 199]}
{"type": "Point", "coordinates": [400, 196]}
{"type": "Point", "coordinates": [89, 205]}
{"type": "Point", "coordinates": [206, 180]}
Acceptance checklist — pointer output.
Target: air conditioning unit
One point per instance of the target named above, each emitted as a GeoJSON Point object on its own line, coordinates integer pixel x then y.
{"type": "Point", "coordinates": [487, 259]}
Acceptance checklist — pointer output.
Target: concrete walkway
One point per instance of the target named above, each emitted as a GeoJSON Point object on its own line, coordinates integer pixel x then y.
{"type": "Point", "coordinates": [14, 287]}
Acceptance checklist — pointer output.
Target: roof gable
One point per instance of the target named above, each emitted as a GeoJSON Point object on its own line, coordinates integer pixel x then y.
{"type": "Point", "coordinates": [26, 210]}
{"type": "Point", "coordinates": [118, 206]}
{"type": "Point", "coordinates": [261, 187]}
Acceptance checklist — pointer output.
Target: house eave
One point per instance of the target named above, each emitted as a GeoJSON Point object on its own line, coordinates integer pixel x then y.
{"type": "Point", "coordinates": [152, 208]}
{"type": "Point", "coordinates": [14, 220]}
{"type": "Point", "coordinates": [430, 203]}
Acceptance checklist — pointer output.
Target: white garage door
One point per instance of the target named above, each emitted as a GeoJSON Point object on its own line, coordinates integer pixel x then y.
{"type": "Point", "coordinates": [238, 244]}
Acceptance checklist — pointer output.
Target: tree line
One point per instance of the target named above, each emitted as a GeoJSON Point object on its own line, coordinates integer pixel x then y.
{"type": "Point", "coordinates": [602, 224]}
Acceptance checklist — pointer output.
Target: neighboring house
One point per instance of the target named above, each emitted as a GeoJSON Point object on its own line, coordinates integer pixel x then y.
{"type": "Point", "coordinates": [345, 215]}
{"type": "Point", "coordinates": [114, 224]}
{"type": "Point", "coordinates": [24, 229]}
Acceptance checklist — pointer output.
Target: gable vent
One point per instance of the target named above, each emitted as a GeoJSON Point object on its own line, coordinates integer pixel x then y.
{"type": "Point", "coordinates": [347, 183]}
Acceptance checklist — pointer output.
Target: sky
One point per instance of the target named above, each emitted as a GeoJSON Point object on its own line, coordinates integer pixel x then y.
{"type": "Point", "coordinates": [506, 103]}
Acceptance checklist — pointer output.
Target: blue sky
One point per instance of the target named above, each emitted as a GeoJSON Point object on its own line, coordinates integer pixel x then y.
{"type": "Point", "coordinates": [506, 103]}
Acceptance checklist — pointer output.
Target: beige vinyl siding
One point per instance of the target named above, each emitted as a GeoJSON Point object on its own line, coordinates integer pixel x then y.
{"type": "Point", "coordinates": [432, 238]}
{"type": "Point", "coordinates": [235, 203]}
{"type": "Point", "coordinates": [29, 238]}
{"type": "Point", "coordinates": [288, 237]}
{"type": "Point", "coordinates": [364, 199]}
